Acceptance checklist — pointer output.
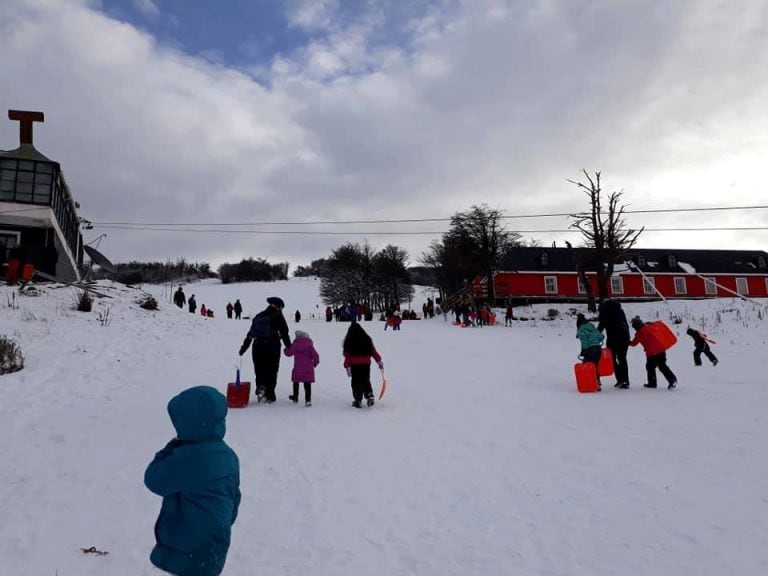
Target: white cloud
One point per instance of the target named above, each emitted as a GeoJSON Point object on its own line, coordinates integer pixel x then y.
{"type": "Point", "coordinates": [469, 106]}
{"type": "Point", "coordinates": [147, 7]}
{"type": "Point", "coordinates": [312, 15]}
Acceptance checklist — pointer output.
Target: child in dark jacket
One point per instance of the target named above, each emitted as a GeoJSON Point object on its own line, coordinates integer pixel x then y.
{"type": "Point", "coordinates": [198, 476]}
{"type": "Point", "coordinates": [591, 341]}
{"type": "Point", "coordinates": [305, 360]}
{"type": "Point", "coordinates": [701, 345]}
{"type": "Point", "coordinates": [358, 350]}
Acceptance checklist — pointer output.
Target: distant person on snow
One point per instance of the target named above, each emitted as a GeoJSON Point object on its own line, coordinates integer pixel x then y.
{"type": "Point", "coordinates": [230, 309]}
{"type": "Point", "coordinates": [198, 476]}
{"type": "Point", "coordinates": [656, 356]}
{"type": "Point", "coordinates": [700, 342]}
{"type": "Point", "coordinates": [267, 329]}
{"type": "Point", "coordinates": [611, 318]}
{"type": "Point", "coordinates": [358, 349]}
{"type": "Point", "coordinates": [297, 317]}
{"type": "Point", "coordinates": [591, 340]}
{"type": "Point", "coordinates": [238, 309]}
{"type": "Point", "coordinates": [509, 315]}
{"type": "Point", "coordinates": [178, 298]}
{"type": "Point", "coordinates": [203, 310]}
{"type": "Point", "coordinates": [305, 360]}
{"type": "Point", "coordinates": [192, 303]}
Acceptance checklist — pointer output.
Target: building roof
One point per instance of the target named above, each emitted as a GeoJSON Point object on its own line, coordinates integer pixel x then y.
{"type": "Point", "coordinates": [26, 152]}
{"type": "Point", "coordinates": [649, 260]}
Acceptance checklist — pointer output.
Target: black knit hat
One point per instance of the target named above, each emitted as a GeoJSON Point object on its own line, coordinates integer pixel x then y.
{"type": "Point", "coordinates": [276, 301]}
{"type": "Point", "coordinates": [637, 323]}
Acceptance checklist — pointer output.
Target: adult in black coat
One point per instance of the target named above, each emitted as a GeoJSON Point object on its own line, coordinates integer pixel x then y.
{"type": "Point", "coordinates": [238, 309]}
{"type": "Point", "coordinates": [179, 298]}
{"type": "Point", "coordinates": [611, 318]}
{"type": "Point", "coordinates": [268, 328]}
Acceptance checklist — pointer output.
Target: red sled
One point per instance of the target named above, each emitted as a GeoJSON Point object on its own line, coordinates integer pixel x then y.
{"type": "Point", "coordinates": [605, 364]}
{"type": "Point", "coordinates": [663, 334]}
{"type": "Point", "coordinates": [586, 377]}
{"type": "Point", "coordinates": [238, 393]}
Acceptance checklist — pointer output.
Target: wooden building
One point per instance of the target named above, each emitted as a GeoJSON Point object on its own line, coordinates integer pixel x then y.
{"type": "Point", "coordinates": [549, 274]}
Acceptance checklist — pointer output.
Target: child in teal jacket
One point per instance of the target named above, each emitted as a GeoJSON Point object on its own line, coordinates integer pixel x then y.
{"type": "Point", "coordinates": [591, 342]}
{"type": "Point", "coordinates": [198, 476]}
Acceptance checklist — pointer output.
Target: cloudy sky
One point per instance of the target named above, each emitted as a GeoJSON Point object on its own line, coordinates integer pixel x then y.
{"type": "Point", "coordinates": [213, 117]}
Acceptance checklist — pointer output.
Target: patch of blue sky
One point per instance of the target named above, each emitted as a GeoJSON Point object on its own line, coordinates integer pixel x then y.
{"type": "Point", "coordinates": [248, 34]}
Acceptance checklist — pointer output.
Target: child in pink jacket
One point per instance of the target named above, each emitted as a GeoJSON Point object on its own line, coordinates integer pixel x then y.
{"type": "Point", "coordinates": [305, 360]}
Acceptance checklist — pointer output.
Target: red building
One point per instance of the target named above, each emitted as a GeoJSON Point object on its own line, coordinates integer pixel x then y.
{"type": "Point", "coordinates": [549, 274]}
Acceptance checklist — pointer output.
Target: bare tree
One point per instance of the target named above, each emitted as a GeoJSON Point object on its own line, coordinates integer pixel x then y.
{"type": "Point", "coordinates": [604, 230]}
{"type": "Point", "coordinates": [482, 231]}
{"type": "Point", "coordinates": [355, 273]}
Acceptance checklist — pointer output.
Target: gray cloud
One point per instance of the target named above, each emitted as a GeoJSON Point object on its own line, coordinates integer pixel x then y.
{"type": "Point", "coordinates": [483, 101]}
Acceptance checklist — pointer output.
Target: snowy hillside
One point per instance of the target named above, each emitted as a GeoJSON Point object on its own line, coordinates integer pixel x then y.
{"type": "Point", "coordinates": [482, 459]}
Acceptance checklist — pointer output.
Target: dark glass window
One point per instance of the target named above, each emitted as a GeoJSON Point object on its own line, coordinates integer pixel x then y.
{"type": "Point", "coordinates": [5, 163]}
{"type": "Point", "coordinates": [26, 165]}
{"type": "Point", "coordinates": [45, 168]}
{"type": "Point", "coordinates": [6, 190]}
{"type": "Point", "coordinates": [671, 261]}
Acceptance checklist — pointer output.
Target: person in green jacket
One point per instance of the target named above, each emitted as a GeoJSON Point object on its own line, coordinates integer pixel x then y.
{"type": "Point", "coordinates": [198, 476]}
{"type": "Point", "coordinates": [591, 342]}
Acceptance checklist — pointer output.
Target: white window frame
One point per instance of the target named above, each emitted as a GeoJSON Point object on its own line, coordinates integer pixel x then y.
{"type": "Point", "coordinates": [710, 286]}
{"type": "Point", "coordinates": [581, 287]}
{"type": "Point", "coordinates": [742, 286]}
{"type": "Point", "coordinates": [766, 285]}
{"type": "Point", "coordinates": [550, 280]}
{"type": "Point", "coordinates": [649, 285]}
{"type": "Point", "coordinates": [642, 261]}
{"type": "Point", "coordinates": [617, 285]}
{"type": "Point", "coordinates": [681, 286]}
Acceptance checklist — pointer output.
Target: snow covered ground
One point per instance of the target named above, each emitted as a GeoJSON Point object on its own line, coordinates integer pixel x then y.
{"type": "Point", "coordinates": [482, 459]}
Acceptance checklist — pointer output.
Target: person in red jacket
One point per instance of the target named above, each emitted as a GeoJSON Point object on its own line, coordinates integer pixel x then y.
{"type": "Point", "coordinates": [656, 356]}
{"type": "Point", "coordinates": [358, 350]}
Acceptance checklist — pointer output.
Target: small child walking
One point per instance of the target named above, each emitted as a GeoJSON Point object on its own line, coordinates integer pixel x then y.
{"type": "Point", "coordinates": [591, 343]}
{"type": "Point", "coordinates": [700, 342]}
{"type": "Point", "coordinates": [358, 349]}
{"type": "Point", "coordinates": [305, 360]}
{"type": "Point", "coordinates": [198, 476]}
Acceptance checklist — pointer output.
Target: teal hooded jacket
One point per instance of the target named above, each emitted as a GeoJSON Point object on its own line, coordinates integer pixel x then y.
{"type": "Point", "coordinates": [589, 336]}
{"type": "Point", "coordinates": [198, 476]}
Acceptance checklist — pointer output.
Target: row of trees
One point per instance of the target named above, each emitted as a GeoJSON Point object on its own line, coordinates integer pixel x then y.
{"type": "Point", "coordinates": [135, 272]}
{"type": "Point", "coordinates": [476, 244]}
{"type": "Point", "coordinates": [358, 273]}
{"type": "Point", "coordinates": [253, 270]}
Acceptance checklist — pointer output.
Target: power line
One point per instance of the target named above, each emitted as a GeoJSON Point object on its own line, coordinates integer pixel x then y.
{"type": "Point", "coordinates": [413, 233]}
{"type": "Point", "coordinates": [419, 220]}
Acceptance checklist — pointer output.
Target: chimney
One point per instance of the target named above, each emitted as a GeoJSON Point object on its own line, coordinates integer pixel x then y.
{"type": "Point", "coordinates": [25, 119]}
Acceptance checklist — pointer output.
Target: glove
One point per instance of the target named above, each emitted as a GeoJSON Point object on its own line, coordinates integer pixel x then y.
{"type": "Point", "coordinates": [349, 372]}
{"type": "Point", "coordinates": [381, 365]}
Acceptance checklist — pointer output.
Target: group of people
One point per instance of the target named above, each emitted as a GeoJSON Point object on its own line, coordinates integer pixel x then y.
{"type": "Point", "coordinates": [201, 502]}
{"type": "Point", "coordinates": [198, 474]}
{"type": "Point", "coordinates": [613, 321]}
{"type": "Point", "coordinates": [269, 329]}
{"type": "Point", "coordinates": [180, 299]}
